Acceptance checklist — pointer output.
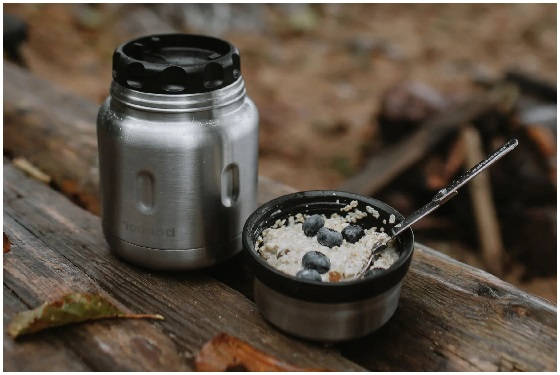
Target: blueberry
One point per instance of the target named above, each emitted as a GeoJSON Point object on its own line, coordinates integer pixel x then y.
{"type": "Point", "coordinates": [374, 272]}
{"type": "Point", "coordinates": [329, 237]}
{"type": "Point", "coordinates": [353, 233]}
{"type": "Point", "coordinates": [314, 260]}
{"type": "Point", "coordinates": [309, 275]}
{"type": "Point", "coordinates": [312, 224]}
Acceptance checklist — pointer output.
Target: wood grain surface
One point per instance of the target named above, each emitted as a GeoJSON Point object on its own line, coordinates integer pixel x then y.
{"type": "Point", "coordinates": [451, 316]}
{"type": "Point", "coordinates": [58, 247]}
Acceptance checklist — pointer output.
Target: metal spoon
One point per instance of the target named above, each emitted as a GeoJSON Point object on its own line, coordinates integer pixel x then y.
{"type": "Point", "coordinates": [441, 197]}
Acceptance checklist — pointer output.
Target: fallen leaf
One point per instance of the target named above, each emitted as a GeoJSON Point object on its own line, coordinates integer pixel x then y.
{"type": "Point", "coordinates": [6, 243]}
{"type": "Point", "coordinates": [31, 170]}
{"type": "Point", "coordinates": [72, 308]}
{"type": "Point", "coordinates": [228, 353]}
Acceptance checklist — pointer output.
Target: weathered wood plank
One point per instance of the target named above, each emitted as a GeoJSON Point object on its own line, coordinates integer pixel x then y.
{"type": "Point", "coordinates": [46, 121]}
{"type": "Point", "coordinates": [195, 306]}
{"type": "Point", "coordinates": [443, 300]}
{"type": "Point", "coordinates": [36, 273]}
{"type": "Point", "coordinates": [454, 317]}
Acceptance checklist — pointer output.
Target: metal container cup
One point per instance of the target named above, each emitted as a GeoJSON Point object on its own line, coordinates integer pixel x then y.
{"type": "Point", "coordinates": [178, 151]}
{"type": "Point", "coordinates": [325, 311]}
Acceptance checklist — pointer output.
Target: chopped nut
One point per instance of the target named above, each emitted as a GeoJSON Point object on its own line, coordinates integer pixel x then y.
{"type": "Point", "coordinates": [334, 276]}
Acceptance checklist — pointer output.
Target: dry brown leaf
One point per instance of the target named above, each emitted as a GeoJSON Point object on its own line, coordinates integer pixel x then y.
{"type": "Point", "coordinates": [6, 243]}
{"type": "Point", "coordinates": [31, 170]}
{"type": "Point", "coordinates": [228, 353]}
{"type": "Point", "coordinates": [72, 308]}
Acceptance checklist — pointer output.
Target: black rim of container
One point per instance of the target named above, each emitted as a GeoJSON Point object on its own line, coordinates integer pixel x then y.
{"type": "Point", "coordinates": [321, 201]}
{"type": "Point", "coordinates": [176, 64]}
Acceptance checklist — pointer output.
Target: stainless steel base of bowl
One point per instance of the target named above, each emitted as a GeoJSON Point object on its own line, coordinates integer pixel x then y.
{"type": "Point", "coordinates": [179, 259]}
{"type": "Point", "coordinates": [327, 322]}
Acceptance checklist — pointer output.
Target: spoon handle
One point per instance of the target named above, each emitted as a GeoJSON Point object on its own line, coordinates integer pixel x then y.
{"type": "Point", "coordinates": [448, 192]}
{"type": "Point", "coordinates": [441, 197]}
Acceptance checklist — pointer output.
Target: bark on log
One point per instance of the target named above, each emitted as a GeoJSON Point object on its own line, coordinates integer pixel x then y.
{"type": "Point", "coordinates": [55, 131]}
{"type": "Point", "coordinates": [451, 316]}
{"type": "Point", "coordinates": [454, 317]}
{"type": "Point", "coordinates": [35, 273]}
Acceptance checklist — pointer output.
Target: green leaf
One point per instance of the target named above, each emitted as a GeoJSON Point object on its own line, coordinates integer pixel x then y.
{"type": "Point", "coordinates": [72, 308]}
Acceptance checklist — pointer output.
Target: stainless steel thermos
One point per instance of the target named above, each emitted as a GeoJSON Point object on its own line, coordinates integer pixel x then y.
{"type": "Point", "coordinates": [178, 148]}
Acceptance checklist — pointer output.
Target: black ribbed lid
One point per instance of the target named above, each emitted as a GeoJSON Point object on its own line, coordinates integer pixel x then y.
{"type": "Point", "coordinates": [176, 64]}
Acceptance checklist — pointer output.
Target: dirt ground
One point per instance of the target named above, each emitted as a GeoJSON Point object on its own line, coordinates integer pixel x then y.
{"type": "Point", "coordinates": [316, 72]}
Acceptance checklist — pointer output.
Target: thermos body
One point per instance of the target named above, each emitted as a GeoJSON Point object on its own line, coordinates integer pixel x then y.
{"type": "Point", "coordinates": [178, 172]}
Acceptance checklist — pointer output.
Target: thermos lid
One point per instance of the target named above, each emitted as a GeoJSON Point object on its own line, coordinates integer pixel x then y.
{"type": "Point", "coordinates": [176, 64]}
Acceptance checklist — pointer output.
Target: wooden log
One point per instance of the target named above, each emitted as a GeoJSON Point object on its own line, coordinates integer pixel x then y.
{"type": "Point", "coordinates": [35, 273]}
{"type": "Point", "coordinates": [57, 246]}
{"type": "Point", "coordinates": [454, 317]}
{"type": "Point", "coordinates": [451, 316]}
{"type": "Point", "coordinates": [488, 226]}
{"type": "Point", "coordinates": [45, 121]}
{"type": "Point", "coordinates": [443, 300]}
{"type": "Point", "coordinates": [390, 162]}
